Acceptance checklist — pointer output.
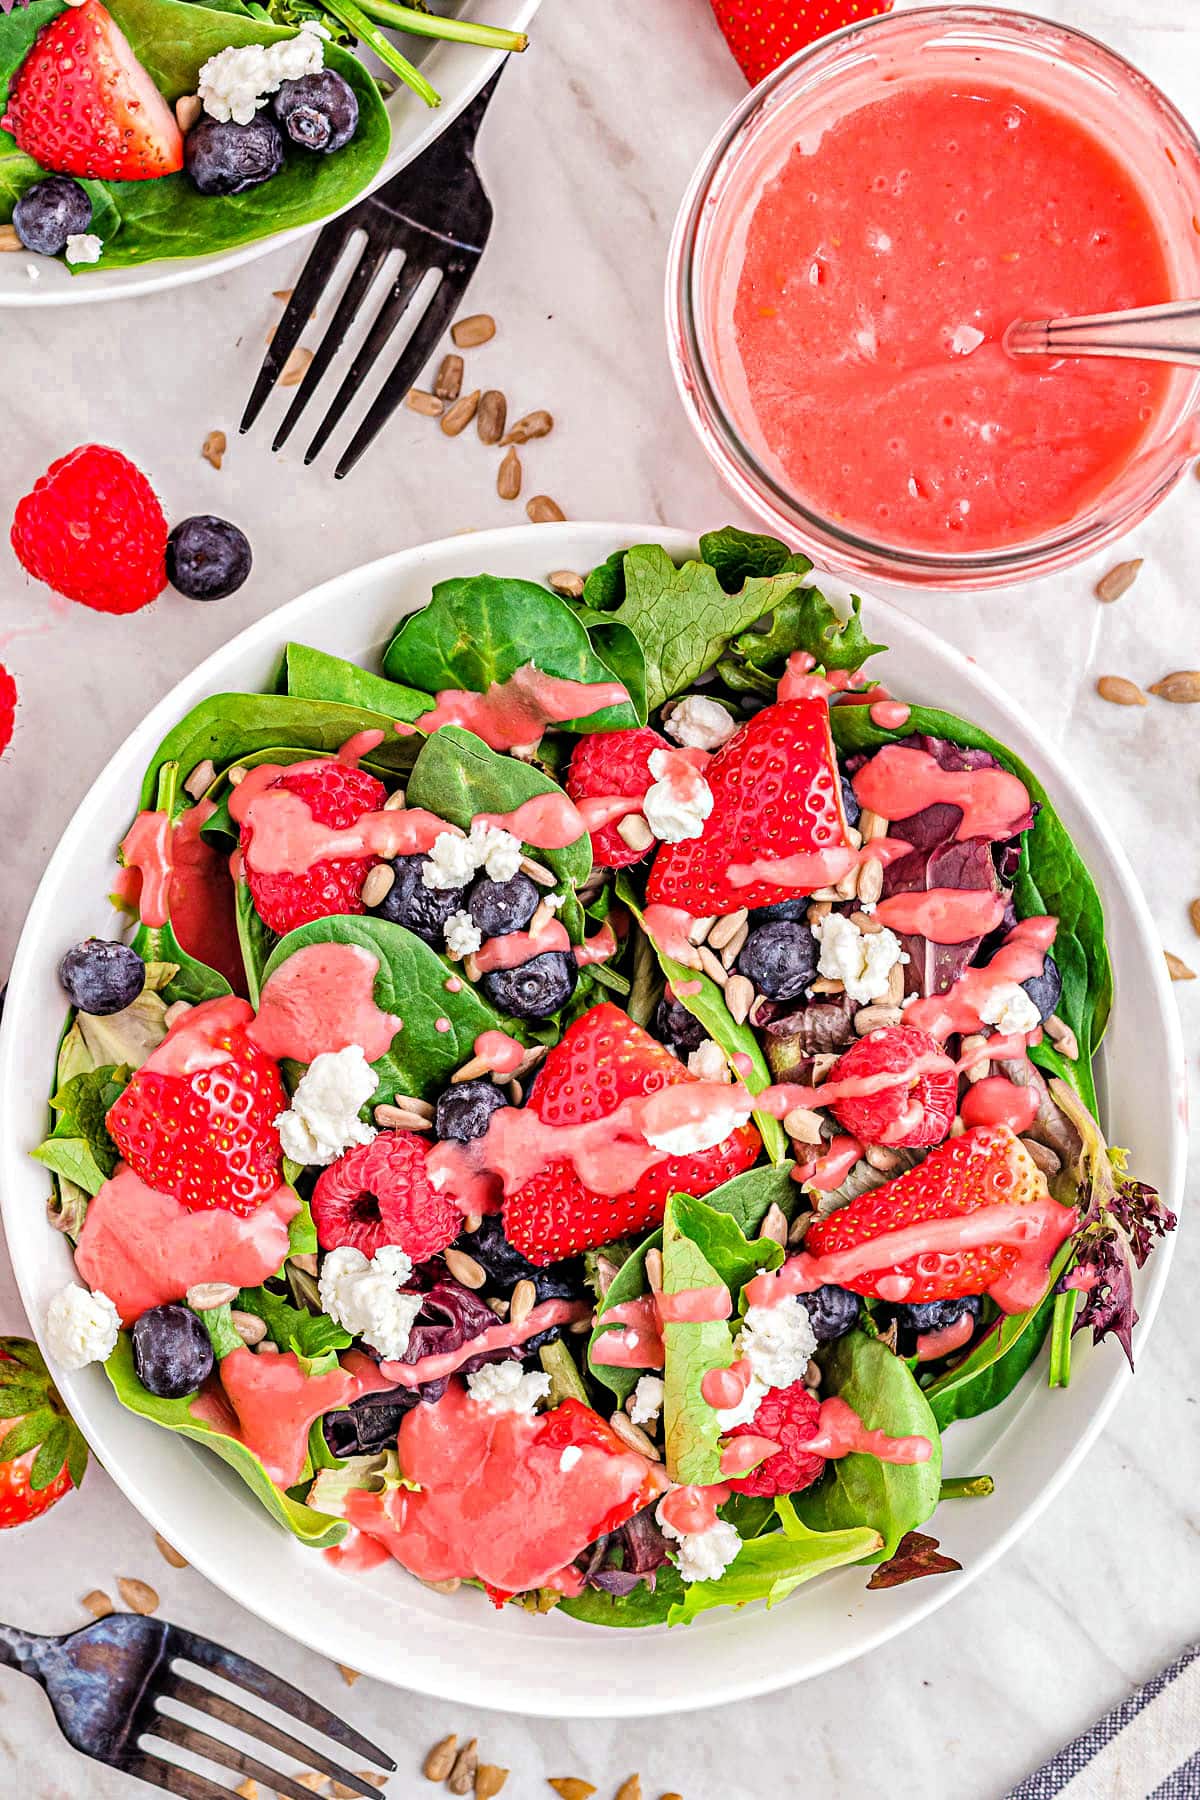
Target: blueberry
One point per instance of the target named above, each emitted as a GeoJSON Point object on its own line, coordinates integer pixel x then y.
{"type": "Point", "coordinates": [1045, 989]}
{"type": "Point", "coordinates": [102, 977]}
{"type": "Point", "coordinates": [505, 1266]}
{"type": "Point", "coordinates": [850, 804]}
{"type": "Point", "coordinates": [172, 1353]}
{"type": "Point", "coordinates": [223, 157]}
{"type": "Point", "coordinates": [463, 1111]}
{"type": "Point", "coordinates": [50, 212]}
{"type": "Point", "coordinates": [929, 1315]}
{"type": "Point", "coordinates": [534, 989]}
{"type": "Point", "coordinates": [319, 111]}
{"type": "Point", "coordinates": [796, 910]}
{"type": "Point", "coordinates": [420, 909]}
{"type": "Point", "coordinates": [499, 907]}
{"type": "Point", "coordinates": [207, 557]}
{"type": "Point", "coordinates": [780, 959]}
{"type": "Point", "coordinates": [832, 1312]}
{"type": "Point", "coordinates": [675, 1026]}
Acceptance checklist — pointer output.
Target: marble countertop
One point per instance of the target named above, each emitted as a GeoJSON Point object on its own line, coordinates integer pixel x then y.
{"type": "Point", "coordinates": [585, 153]}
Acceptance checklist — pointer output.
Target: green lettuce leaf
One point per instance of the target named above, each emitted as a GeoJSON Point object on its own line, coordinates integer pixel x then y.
{"type": "Point", "coordinates": [770, 1568]}
{"type": "Point", "coordinates": [79, 1148]}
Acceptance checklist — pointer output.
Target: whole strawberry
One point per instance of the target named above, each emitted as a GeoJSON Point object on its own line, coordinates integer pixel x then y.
{"type": "Point", "coordinates": [42, 1453]}
{"type": "Point", "coordinates": [82, 104]}
{"type": "Point", "coordinates": [93, 530]}
{"type": "Point", "coordinates": [611, 764]}
{"type": "Point", "coordinates": [336, 794]}
{"type": "Point", "coordinates": [764, 33]}
{"type": "Point", "coordinates": [197, 1121]}
{"type": "Point", "coordinates": [8, 708]}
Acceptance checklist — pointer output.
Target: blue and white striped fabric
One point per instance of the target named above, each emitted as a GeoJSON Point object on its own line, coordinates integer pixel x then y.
{"type": "Point", "coordinates": [1146, 1749]}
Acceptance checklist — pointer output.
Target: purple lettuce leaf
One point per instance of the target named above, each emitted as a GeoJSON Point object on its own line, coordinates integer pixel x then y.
{"type": "Point", "coordinates": [619, 1560]}
{"type": "Point", "coordinates": [933, 968]}
{"type": "Point", "coordinates": [449, 1317]}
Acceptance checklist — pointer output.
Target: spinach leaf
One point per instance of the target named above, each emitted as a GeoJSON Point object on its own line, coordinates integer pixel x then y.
{"type": "Point", "coordinates": [1051, 878]}
{"type": "Point", "coordinates": [310, 1335]}
{"type": "Point", "coordinates": [411, 984]}
{"type": "Point", "coordinates": [316, 1530]}
{"type": "Point", "coordinates": [739, 556]}
{"type": "Point", "coordinates": [998, 1359]}
{"type": "Point", "coordinates": [891, 1498]}
{"type": "Point", "coordinates": [168, 217]}
{"type": "Point", "coordinates": [313, 675]}
{"type": "Point", "coordinates": [79, 1148]}
{"type": "Point", "coordinates": [769, 1568]}
{"type": "Point", "coordinates": [457, 776]}
{"type": "Point", "coordinates": [628, 1283]}
{"type": "Point", "coordinates": [227, 728]}
{"type": "Point", "coordinates": [644, 1606]}
{"type": "Point", "coordinates": [684, 619]}
{"type": "Point", "coordinates": [482, 629]}
{"type": "Point", "coordinates": [748, 1198]}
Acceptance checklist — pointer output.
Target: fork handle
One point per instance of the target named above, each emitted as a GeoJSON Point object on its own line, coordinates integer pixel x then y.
{"type": "Point", "coordinates": [1169, 333]}
{"type": "Point", "coordinates": [22, 1650]}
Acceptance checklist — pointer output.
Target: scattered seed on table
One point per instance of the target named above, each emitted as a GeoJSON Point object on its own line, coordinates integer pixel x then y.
{"type": "Point", "coordinates": [489, 420]}
{"type": "Point", "coordinates": [9, 239]}
{"type": "Point", "coordinates": [489, 1779]}
{"type": "Point", "coordinates": [169, 1553]}
{"type": "Point", "coordinates": [1178, 969]}
{"type": "Point", "coordinates": [1120, 691]}
{"type": "Point", "coordinates": [213, 448]}
{"type": "Point", "coordinates": [508, 476]}
{"type": "Point", "coordinates": [447, 383]}
{"type": "Point", "coordinates": [440, 1760]}
{"type": "Point", "coordinates": [1182, 687]}
{"type": "Point", "coordinates": [1194, 915]}
{"type": "Point", "coordinates": [538, 424]}
{"type": "Point", "coordinates": [456, 418]}
{"type": "Point", "coordinates": [138, 1596]}
{"type": "Point", "coordinates": [283, 294]}
{"type": "Point", "coordinates": [571, 1787]}
{"type": "Point", "coordinates": [469, 333]}
{"type": "Point", "coordinates": [418, 401]}
{"type": "Point", "coordinates": [296, 367]}
{"type": "Point", "coordinates": [98, 1604]}
{"type": "Point", "coordinates": [348, 1675]}
{"type": "Point", "coordinates": [631, 1789]}
{"type": "Point", "coordinates": [542, 510]}
{"type": "Point", "coordinates": [1119, 580]}
{"type": "Point", "coordinates": [462, 1775]}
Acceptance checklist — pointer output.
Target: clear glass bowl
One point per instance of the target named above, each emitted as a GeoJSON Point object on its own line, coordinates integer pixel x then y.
{"type": "Point", "coordinates": [1063, 67]}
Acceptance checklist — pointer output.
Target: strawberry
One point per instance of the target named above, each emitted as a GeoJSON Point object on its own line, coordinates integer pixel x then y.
{"type": "Point", "coordinates": [82, 104]}
{"type": "Point", "coordinates": [379, 1193]}
{"type": "Point", "coordinates": [987, 1166]}
{"type": "Point", "coordinates": [8, 708]}
{"type": "Point", "coordinates": [197, 1121]}
{"type": "Point", "coordinates": [918, 1109]}
{"type": "Point", "coordinates": [601, 1060]}
{"type": "Point", "coordinates": [764, 33]}
{"type": "Point", "coordinates": [336, 794]}
{"type": "Point", "coordinates": [93, 530]}
{"type": "Point", "coordinates": [609, 763]}
{"type": "Point", "coordinates": [789, 1416]}
{"type": "Point", "coordinates": [776, 792]}
{"type": "Point", "coordinates": [42, 1453]}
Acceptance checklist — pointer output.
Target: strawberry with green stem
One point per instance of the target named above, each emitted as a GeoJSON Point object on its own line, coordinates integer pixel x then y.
{"type": "Point", "coordinates": [42, 1452]}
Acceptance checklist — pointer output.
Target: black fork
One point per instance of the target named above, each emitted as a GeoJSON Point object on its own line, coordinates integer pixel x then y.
{"type": "Point", "coordinates": [106, 1684]}
{"type": "Point", "coordinates": [436, 212]}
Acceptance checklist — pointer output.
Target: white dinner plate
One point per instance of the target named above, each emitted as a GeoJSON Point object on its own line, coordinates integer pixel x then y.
{"type": "Point", "coordinates": [457, 71]}
{"type": "Point", "coordinates": [384, 1623]}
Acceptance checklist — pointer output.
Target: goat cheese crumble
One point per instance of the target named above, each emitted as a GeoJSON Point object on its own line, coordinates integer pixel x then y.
{"type": "Point", "coordinates": [861, 960]}
{"type": "Point", "coordinates": [363, 1296]}
{"type": "Point", "coordinates": [1010, 1010]}
{"type": "Point", "coordinates": [708, 1062]}
{"type": "Point", "coordinates": [454, 860]}
{"type": "Point", "coordinates": [648, 1397]}
{"type": "Point", "coordinates": [234, 83]}
{"type": "Point", "coordinates": [83, 247]}
{"type": "Point", "coordinates": [462, 934]}
{"type": "Point", "coordinates": [676, 805]}
{"type": "Point", "coordinates": [323, 1120]}
{"type": "Point", "coordinates": [703, 1555]}
{"type": "Point", "coordinates": [700, 723]}
{"type": "Point", "coordinates": [507, 1387]}
{"type": "Point", "coordinates": [694, 1135]}
{"type": "Point", "coordinates": [81, 1327]}
{"type": "Point", "coordinates": [570, 1456]}
{"type": "Point", "coordinates": [777, 1341]}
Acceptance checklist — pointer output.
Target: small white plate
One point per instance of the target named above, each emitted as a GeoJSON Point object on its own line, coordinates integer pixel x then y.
{"type": "Point", "coordinates": [457, 71]}
{"type": "Point", "coordinates": [384, 1623]}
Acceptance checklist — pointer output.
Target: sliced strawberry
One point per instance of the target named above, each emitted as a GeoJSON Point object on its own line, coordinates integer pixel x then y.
{"type": "Point", "coordinates": [776, 794]}
{"type": "Point", "coordinates": [601, 1060]}
{"type": "Point", "coordinates": [764, 33]}
{"type": "Point", "coordinates": [336, 794]}
{"type": "Point", "coordinates": [611, 764]}
{"type": "Point", "coordinates": [82, 104]}
{"type": "Point", "coordinates": [379, 1193]}
{"type": "Point", "coordinates": [918, 1108]}
{"type": "Point", "coordinates": [987, 1166]}
{"type": "Point", "coordinates": [198, 1119]}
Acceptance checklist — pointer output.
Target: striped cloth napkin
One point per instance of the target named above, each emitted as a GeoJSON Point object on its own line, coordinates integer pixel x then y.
{"type": "Point", "coordinates": [1146, 1749]}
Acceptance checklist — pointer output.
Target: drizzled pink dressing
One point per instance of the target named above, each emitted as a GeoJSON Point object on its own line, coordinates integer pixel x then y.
{"type": "Point", "coordinates": [692, 1508]}
{"type": "Point", "coordinates": [517, 947]}
{"type": "Point", "coordinates": [741, 1454]}
{"type": "Point", "coordinates": [269, 1404]}
{"type": "Point", "coordinates": [286, 839]}
{"type": "Point", "coordinates": [1019, 959]}
{"type": "Point", "coordinates": [183, 877]}
{"type": "Point", "coordinates": [900, 781]}
{"type": "Point", "coordinates": [142, 1248]}
{"type": "Point", "coordinates": [932, 1344]}
{"type": "Point", "coordinates": [807, 870]}
{"type": "Point", "coordinates": [840, 1432]}
{"type": "Point", "coordinates": [723, 1388]}
{"type": "Point", "coordinates": [361, 744]}
{"type": "Point", "coordinates": [890, 715]}
{"type": "Point", "coordinates": [943, 915]}
{"type": "Point", "coordinates": [637, 1339]}
{"type": "Point", "coordinates": [146, 847]}
{"type": "Point", "coordinates": [830, 1170]}
{"type": "Point", "coordinates": [323, 998]}
{"type": "Point", "coordinates": [502, 1054]}
{"type": "Point", "coordinates": [547, 822]}
{"type": "Point", "coordinates": [998, 1101]}
{"type": "Point", "coordinates": [513, 714]}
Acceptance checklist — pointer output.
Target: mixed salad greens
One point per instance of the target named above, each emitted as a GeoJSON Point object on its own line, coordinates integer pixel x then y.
{"type": "Point", "coordinates": [727, 627]}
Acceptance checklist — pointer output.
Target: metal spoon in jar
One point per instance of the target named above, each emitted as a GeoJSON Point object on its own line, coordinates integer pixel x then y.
{"type": "Point", "coordinates": [1169, 333]}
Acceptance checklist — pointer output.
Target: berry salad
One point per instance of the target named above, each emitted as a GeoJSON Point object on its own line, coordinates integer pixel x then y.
{"type": "Point", "coordinates": [582, 1111]}
{"type": "Point", "coordinates": [143, 129]}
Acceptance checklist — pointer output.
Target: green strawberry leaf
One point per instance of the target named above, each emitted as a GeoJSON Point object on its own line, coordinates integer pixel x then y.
{"type": "Point", "coordinates": [37, 1419]}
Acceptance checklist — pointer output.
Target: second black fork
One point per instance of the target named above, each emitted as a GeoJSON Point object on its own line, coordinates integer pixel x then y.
{"type": "Point", "coordinates": [437, 214]}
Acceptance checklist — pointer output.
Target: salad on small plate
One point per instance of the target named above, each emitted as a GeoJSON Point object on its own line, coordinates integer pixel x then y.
{"type": "Point", "coordinates": [585, 1109]}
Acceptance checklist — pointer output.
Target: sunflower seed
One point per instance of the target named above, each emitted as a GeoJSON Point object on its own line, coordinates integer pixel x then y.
{"type": "Point", "coordinates": [456, 418]}
{"type": "Point", "coordinates": [522, 1302]}
{"type": "Point", "coordinates": [489, 1779]}
{"type": "Point", "coordinates": [733, 948]}
{"type": "Point", "coordinates": [398, 1118]}
{"type": "Point", "coordinates": [542, 510]}
{"type": "Point", "coordinates": [249, 1327]}
{"type": "Point", "coordinates": [566, 581]}
{"type": "Point", "coordinates": [200, 780]}
{"type": "Point", "coordinates": [803, 1125]}
{"type": "Point", "coordinates": [774, 1225]}
{"type": "Point", "coordinates": [634, 1436]}
{"type": "Point", "coordinates": [630, 1789]}
{"type": "Point", "coordinates": [237, 775]}
{"type": "Point", "coordinates": [712, 965]}
{"type": "Point", "coordinates": [571, 1787]}
{"type": "Point", "coordinates": [447, 383]}
{"type": "Point", "coordinates": [508, 476]}
{"type": "Point", "coordinates": [532, 425]}
{"type": "Point", "coordinates": [870, 881]}
{"type": "Point", "coordinates": [1045, 1158]}
{"type": "Point", "coordinates": [1062, 1037]}
{"type": "Point", "coordinates": [348, 1675]}
{"type": "Point", "coordinates": [169, 1553]}
{"type": "Point", "coordinates": [203, 1296]}
{"type": "Point", "coordinates": [98, 1604]}
{"type": "Point", "coordinates": [827, 984]}
{"type": "Point", "coordinates": [1120, 691]}
{"type": "Point", "coordinates": [895, 990]}
{"type": "Point", "coordinates": [1177, 969]}
{"type": "Point", "coordinates": [818, 910]}
{"type": "Point", "coordinates": [462, 1775]}
{"type": "Point", "coordinates": [538, 872]}
{"type": "Point", "coordinates": [654, 1271]}
{"type": "Point", "coordinates": [821, 1066]}
{"type": "Point", "coordinates": [489, 420]}
{"type": "Point", "coordinates": [378, 885]}
{"type": "Point", "coordinates": [847, 887]}
{"type": "Point", "coordinates": [499, 1307]}
{"type": "Point", "coordinates": [428, 405]}
{"type": "Point", "coordinates": [634, 831]}
{"type": "Point", "coordinates": [306, 1262]}
{"type": "Point", "coordinates": [213, 448]}
{"type": "Point", "coordinates": [871, 825]}
{"type": "Point", "coordinates": [9, 239]}
{"type": "Point", "coordinates": [529, 1062]}
{"type": "Point", "coordinates": [469, 333]}
{"type": "Point", "coordinates": [464, 1268]}
{"type": "Point", "coordinates": [1183, 687]}
{"type": "Point", "coordinates": [870, 1018]}
{"type": "Point", "coordinates": [440, 1760]}
{"type": "Point", "coordinates": [727, 927]}
{"type": "Point", "coordinates": [1119, 580]}
{"type": "Point", "coordinates": [474, 1070]}
{"type": "Point", "coordinates": [739, 997]}
{"type": "Point", "coordinates": [470, 968]}
{"type": "Point", "coordinates": [975, 1042]}
{"type": "Point", "coordinates": [188, 108]}
{"type": "Point", "coordinates": [396, 802]}
{"type": "Point", "coordinates": [296, 367]}
{"type": "Point", "coordinates": [1194, 915]}
{"type": "Point", "coordinates": [138, 1596]}
{"type": "Point", "coordinates": [699, 929]}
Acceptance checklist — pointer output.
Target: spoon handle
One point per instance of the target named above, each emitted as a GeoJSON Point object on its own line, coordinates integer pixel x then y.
{"type": "Point", "coordinates": [1169, 333]}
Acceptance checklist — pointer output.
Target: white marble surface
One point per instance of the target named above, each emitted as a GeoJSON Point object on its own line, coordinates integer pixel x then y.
{"type": "Point", "coordinates": [585, 154]}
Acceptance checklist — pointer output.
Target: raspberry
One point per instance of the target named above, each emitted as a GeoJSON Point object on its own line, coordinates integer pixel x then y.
{"type": "Point", "coordinates": [788, 1415]}
{"type": "Point", "coordinates": [8, 708]}
{"type": "Point", "coordinates": [93, 530]}
{"type": "Point", "coordinates": [917, 1110]}
{"type": "Point", "coordinates": [608, 763]}
{"type": "Point", "coordinates": [379, 1193]}
{"type": "Point", "coordinates": [336, 794]}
